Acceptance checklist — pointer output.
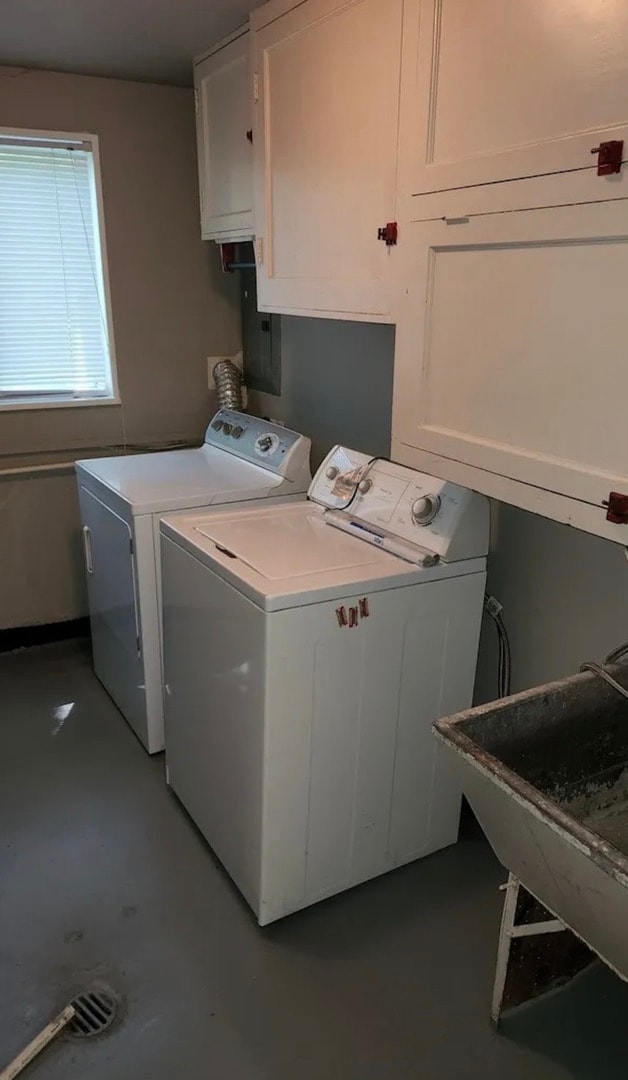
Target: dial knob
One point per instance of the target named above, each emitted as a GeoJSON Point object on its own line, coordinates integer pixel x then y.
{"type": "Point", "coordinates": [237, 432]}
{"type": "Point", "coordinates": [425, 509]}
{"type": "Point", "coordinates": [217, 425]}
{"type": "Point", "coordinates": [226, 428]}
{"type": "Point", "coordinates": [331, 473]}
{"type": "Point", "coordinates": [364, 486]}
{"type": "Point", "coordinates": [266, 444]}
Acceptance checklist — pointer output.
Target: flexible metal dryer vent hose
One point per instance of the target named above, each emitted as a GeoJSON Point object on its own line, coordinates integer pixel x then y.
{"type": "Point", "coordinates": [228, 380]}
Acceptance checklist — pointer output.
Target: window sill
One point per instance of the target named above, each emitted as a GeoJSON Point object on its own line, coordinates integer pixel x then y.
{"type": "Point", "coordinates": [56, 403]}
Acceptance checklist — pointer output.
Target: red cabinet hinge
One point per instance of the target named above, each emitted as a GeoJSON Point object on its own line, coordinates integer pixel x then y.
{"type": "Point", "coordinates": [389, 233]}
{"type": "Point", "coordinates": [609, 157]}
{"type": "Point", "coordinates": [617, 511]}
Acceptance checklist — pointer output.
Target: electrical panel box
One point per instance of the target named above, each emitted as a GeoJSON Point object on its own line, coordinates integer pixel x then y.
{"type": "Point", "coordinates": [261, 340]}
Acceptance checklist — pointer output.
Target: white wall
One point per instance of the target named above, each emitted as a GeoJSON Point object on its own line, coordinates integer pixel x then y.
{"type": "Point", "coordinates": [565, 593]}
{"type": "Point", "coordinates": [172, 307]}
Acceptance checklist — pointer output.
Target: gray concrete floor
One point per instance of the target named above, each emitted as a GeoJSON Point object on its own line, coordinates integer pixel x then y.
{"type": "Point", "coordinates": [104, 878]}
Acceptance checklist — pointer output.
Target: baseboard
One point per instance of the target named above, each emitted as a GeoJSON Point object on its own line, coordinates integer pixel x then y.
{"type": "Point", "coordinates": [24, 637]}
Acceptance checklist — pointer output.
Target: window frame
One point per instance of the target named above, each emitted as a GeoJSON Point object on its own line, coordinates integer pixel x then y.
{"type": "Point", "coordinates": [50, 137]}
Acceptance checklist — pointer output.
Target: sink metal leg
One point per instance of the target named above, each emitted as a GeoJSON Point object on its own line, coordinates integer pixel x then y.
{"type": "Point", "coordinates": [511, 894]}
{"type": "Point", "coordinates": [538, 968]}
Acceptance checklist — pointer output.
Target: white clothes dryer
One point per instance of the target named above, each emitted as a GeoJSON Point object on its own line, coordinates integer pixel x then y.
{"type": "Point", "coordinates": [121, 500]}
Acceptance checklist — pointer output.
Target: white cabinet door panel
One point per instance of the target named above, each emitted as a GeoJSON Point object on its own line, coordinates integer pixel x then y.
{"type": "Point", "coordinates": [510, 349]}
{"type": "Point", "coordinates": [325, 156]}
{"type": "Point", "coordinates": [507, 90]}
{"type": "Point", "coordinates": [224, 132]}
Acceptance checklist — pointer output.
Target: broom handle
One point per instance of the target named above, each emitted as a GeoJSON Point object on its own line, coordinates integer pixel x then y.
{"type": "Point", "coordinates": [38, 1043]}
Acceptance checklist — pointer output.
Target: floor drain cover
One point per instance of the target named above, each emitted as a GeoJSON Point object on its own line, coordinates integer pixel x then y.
{"type": "Point", "coordinates": [95, 1011]}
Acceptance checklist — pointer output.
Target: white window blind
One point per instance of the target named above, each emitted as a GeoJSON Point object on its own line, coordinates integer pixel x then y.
{"type": "Point", "coordinates": [54, 340]}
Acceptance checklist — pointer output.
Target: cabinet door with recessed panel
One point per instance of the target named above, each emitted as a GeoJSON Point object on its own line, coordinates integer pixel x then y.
{"type": "Point", "coordinates": [510, 368]}
{"type": "Point", "coordinates": [502, 90]}
{"type": "Point", "coordinates": [326, 80]}
{"type": "Point", "coordinates": [224, 136]}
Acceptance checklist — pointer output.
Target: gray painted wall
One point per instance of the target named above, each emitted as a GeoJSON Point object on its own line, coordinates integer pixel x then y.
{"type": "Point", "coordinates": [171, 309]}
{"type": "Point", "coordinates": [565, 594]}
{"type": "Point", "coordinates": [336, 384]}
{"type": "Point", "coordinates": [565, 597]}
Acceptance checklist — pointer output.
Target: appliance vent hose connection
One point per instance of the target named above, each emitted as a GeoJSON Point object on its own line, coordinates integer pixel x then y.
{"type": "Point", "coordinates": [228, 380]}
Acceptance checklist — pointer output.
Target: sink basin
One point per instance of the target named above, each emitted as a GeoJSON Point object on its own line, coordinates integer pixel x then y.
{"type": "Point", "coordinates": [546, 773]}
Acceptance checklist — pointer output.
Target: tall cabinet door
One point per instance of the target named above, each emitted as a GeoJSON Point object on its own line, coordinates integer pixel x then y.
{"type": "Point", "coordinates": [510, 375]}
{"type": "Point", "coordinates": [507, 90]}
{"type": "Point", "coordinates": [327, 79]}
{"type": "Point", "coordinates": [113, 608]}
{"type": "Point", "coordinates": [224, 135]}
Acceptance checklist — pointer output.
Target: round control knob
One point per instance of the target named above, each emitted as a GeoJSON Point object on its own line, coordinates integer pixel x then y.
{"type": "Point", "coordinates": [237, 432]}
{"type": "Point", "coordinates": [425, 509]}
{"type": "Point", "coordinates": [226, 428]}
{"type": "Point", "coordinates": [264, 444]}
{"type": "Point", "coordinates": [364, 486]}
{"type": "Point", "coordinates": [217, 425]}
{"type": "Point", "coordinates": [331, 473]}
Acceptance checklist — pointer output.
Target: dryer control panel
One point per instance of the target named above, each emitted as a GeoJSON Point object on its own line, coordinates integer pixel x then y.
{"type": "Point", "coordinates": [380, 501]}
{"type": "Point", "coordinates": [261, 442]}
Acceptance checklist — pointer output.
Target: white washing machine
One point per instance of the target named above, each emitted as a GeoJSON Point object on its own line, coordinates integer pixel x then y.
{"type": "Point", "coordinates": [122, 499]}
{"type": "Point", "coordinates": [308, 647]}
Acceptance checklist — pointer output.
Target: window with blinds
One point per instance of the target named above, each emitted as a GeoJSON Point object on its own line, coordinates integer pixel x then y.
{"type": "Point", "coordinates": [55, 328]}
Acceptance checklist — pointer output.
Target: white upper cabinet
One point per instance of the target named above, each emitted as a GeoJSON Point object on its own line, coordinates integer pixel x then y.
{"type": "Point", "coordinates": [514, 88]}
{"type": "Point", "coordinates": [510, 368]}
{"type": "Point", "coordinates": [327, 86]}
{"type": "Point", "coordinates": [224, 123]}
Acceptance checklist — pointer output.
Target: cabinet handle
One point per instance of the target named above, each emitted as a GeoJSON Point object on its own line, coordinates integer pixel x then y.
{"type": "Point", "coordinates": [610, 156]}
{"type": "Point", "coordinates": [389, 233]}
{"type": "Point", "coordinates": [249, 135]}
{"type": "Point", "coordinates": [87, 547]}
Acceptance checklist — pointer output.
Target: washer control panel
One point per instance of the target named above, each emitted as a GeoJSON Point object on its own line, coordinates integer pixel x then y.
{"type": "Point", "coordinates": [383, 499]}
{"type": "Point", "coordinates": [260, 442]}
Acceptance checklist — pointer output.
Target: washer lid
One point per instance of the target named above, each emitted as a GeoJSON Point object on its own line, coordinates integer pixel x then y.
{"type": "Point", "coordinates": [282, 554]}
{"type": "Point", "coordinates": [290, 543]}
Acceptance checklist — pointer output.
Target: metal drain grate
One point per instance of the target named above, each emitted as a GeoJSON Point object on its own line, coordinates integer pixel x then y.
{"type": "Point", "coordinates": [95, 1010]}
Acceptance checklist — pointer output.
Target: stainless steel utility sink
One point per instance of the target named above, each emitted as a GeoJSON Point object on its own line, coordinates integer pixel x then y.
{"type": "Point", "coordinates": [546, 773]}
